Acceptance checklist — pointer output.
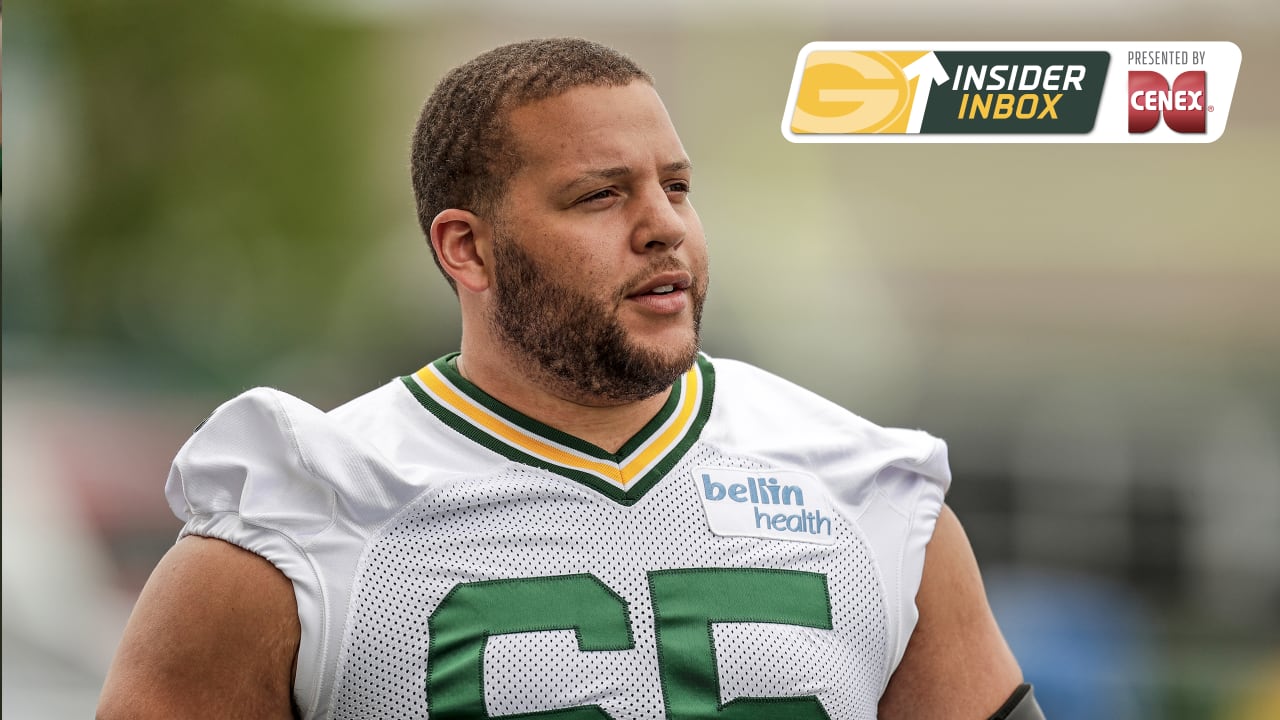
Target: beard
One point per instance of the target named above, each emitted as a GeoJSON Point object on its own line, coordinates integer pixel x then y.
{"type": "Point", "coordinates": [576, 341]}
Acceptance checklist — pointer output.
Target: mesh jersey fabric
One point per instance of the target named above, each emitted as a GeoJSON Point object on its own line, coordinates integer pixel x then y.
{"type": "Point", "coordinates": [451, 558]}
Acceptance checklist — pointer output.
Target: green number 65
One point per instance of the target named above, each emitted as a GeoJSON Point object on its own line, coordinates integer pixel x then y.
{"type": "Point", "coordinates": [685, 603]}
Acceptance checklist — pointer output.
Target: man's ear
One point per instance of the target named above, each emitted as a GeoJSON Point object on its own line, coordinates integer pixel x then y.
{"type": "Point", "coordinates": [464, 243]}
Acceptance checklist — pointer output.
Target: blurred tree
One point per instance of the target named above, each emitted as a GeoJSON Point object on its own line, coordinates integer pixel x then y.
{"type": "Point", "coordinates": [225, 195]}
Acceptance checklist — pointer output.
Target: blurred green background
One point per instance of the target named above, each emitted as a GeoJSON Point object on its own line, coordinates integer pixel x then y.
{"type": "Point", "coordinates": [206, 197]}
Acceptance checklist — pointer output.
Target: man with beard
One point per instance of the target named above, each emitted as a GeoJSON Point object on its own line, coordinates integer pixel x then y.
{"type": "Point", "coordinates": [579, 515]}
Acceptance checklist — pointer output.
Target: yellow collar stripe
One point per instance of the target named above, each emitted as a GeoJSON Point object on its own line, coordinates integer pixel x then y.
{"type": "Point", "coordinates": [482, 417]}
{"type": "Point", "coordinates": [620, 474]}
{"type": "Point", "coordinates": [674, 431]}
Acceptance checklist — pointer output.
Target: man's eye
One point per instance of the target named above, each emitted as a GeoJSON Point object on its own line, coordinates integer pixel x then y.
{"type": "Point", "coordinates": [599, 195]}
{"type": "Point", "coordinates": [680, 186]}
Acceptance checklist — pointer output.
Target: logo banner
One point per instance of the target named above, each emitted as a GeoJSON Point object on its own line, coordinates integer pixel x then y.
{"type": "Point", "coordinates": [1011, 92]}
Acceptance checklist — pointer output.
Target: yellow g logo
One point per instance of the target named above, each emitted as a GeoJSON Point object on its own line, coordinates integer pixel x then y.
{"type": "Point", "coordinates": [854, 92]}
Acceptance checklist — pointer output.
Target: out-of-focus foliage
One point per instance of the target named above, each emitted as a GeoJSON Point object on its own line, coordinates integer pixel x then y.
{"type": "Point", "coordinates": [216, 202]}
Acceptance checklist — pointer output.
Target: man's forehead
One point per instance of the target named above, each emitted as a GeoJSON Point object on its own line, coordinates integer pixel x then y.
{"type": "Point", "coordinates": [589, 98]}
{"type": "Point", "coordinates": [597, 129]}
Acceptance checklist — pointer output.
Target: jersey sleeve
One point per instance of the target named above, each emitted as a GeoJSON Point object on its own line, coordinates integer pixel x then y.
{"type": "Point", "coordinates": [897, 512]}
{"type": "Point", "coordinates": [245, 460]}
{"type": "Point", "coordinates": [243, 477]}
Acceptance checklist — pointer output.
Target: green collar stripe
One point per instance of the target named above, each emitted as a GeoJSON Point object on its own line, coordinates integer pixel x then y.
{"type": "Point", "coordinates": [446, 367]}
{"type": "Point", "coordinates": [467, 409]}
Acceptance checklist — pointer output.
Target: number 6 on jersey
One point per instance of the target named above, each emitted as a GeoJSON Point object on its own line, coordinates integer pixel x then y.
{"type": "Point", "coordinates": [685, 602]}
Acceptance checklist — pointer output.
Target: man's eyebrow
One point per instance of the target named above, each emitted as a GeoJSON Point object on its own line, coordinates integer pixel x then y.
{"type": "Point", "coordinates": [618, 171]}
{"type": "Point", "coordinates": [608, 173]}
{"type": "Point", "coordinates": [677, 166]}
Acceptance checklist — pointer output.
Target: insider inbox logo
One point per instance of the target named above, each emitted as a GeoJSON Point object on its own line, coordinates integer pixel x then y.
{"type": "Point", "coordinates": [1052, 92]}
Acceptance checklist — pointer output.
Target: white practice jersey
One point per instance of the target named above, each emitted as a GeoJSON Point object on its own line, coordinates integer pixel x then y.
{"type": "Point", "coordinates": [753, 552]}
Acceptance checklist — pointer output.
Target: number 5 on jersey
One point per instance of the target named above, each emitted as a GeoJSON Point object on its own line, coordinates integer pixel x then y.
{"type": "Point", "coordinates": [685, 604]}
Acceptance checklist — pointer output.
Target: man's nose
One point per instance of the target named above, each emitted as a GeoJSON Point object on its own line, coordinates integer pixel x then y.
{"type": "Point", "coordinates": [660, 223]}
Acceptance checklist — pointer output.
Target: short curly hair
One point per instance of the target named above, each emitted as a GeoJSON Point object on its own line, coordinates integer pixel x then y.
{"type": "Point", "coordinates": [462, 154]}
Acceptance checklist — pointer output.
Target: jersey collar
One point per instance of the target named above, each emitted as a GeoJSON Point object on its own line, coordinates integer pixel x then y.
{"type": "Point", "coordinates": [624, 476]}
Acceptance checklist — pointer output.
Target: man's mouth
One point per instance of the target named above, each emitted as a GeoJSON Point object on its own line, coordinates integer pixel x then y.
{"type": "Point", "coordinates": [664, 284]}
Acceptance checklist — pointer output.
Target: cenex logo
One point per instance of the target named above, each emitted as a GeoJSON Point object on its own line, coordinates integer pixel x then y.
{"type": "Point", "coordinates": [1182, 105]}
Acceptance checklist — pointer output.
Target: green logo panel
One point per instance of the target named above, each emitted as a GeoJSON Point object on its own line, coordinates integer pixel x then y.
{"type": "Point", "coordinates": [1017, 92]}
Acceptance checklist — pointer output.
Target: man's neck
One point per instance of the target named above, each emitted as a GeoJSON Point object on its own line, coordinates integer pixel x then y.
{"type": "Point", "coordinates": [606, 425]}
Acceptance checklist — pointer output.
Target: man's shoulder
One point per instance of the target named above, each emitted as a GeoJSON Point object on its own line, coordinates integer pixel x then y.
{"type": "Point", "coordinates": [372, 404]}
{"type": "Point", "coordinates": [758, 409]}
{"type": "Point", "coordinates": [288, 415]}
{"type": "Point", "coordinates": [746, 387]}
{"type": "Point", "coordinates": [266, 427]}
{"type": "Point", "coordinates": [282, 463]}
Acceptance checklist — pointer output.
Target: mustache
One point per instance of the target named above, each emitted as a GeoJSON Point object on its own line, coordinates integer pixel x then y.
{"type": "Point", "coordinates": [665, 265]}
